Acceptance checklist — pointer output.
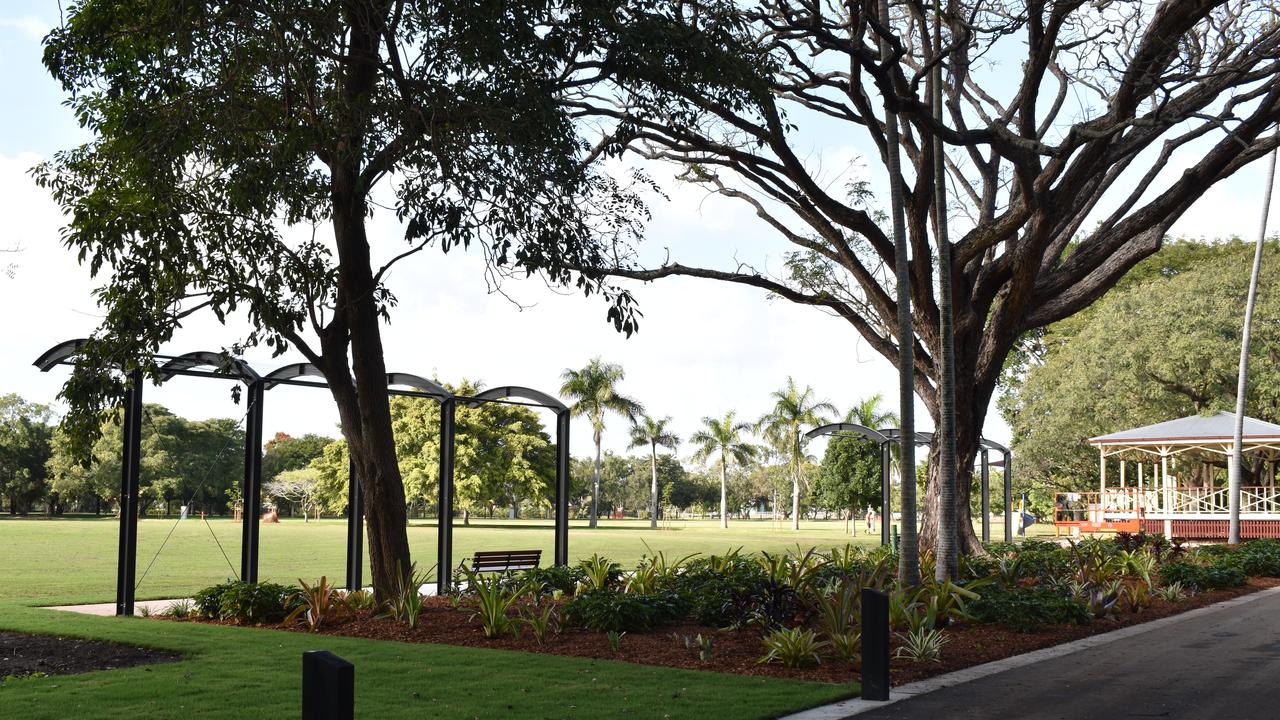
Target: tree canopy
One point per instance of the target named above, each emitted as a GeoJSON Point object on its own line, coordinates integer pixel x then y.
{"type": "Point", "coordinates": [25, 434]}
{"type": "Point", "coordinates": [1163, 348]}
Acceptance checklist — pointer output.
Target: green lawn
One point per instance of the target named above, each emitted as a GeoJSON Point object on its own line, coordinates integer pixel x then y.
{"type": "Point", "coordinates": [71, 561]}
{"type": "Point", "coordinates": [227, 671]}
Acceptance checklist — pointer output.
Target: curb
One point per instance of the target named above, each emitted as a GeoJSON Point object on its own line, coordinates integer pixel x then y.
{"type": "Point", "coordinates": [857, 706]}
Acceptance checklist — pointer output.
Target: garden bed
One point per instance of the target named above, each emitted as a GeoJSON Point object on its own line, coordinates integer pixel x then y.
{"type": "Point", "coordinates": [22, 655]}
{"type": "Point", "coordinates": [968, 642]}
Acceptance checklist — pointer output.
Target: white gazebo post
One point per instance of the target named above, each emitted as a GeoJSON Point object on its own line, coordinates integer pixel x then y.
{"type": "Point", "coordinates": [1168, 493]}
{"type": "Point", "coordinates": [1102, 473]}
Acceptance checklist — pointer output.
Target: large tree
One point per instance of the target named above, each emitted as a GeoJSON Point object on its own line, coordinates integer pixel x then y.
{"type": "Point", "coordinates": [594, 392]}
{"type": "Point", "coordinates": [849, 476]}
{"type": "Point", "coordinates": [1157, 350]}
{"type": "Point", "coordinates": [650, 432]}
{"type": "Point", "coordinates": [1060, 117]}
{"type": "Point", "coordinates": [25, 446]}
{"type": "Point", "coordinates": [725, 437]}
{"type": "Point", "coordinates": [783, 428]}
{"type": "Point", "coordinates": [239, 149]}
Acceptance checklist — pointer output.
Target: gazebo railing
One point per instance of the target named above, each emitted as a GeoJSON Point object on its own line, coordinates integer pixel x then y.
{"type": "Point", "coordinates": [1182, 500]}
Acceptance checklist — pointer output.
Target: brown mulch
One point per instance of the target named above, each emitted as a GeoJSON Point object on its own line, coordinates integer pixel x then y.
{"type": "Point", "coordinates": [739, 652]}
{"type": "Point", "coordinates": [22, 655]}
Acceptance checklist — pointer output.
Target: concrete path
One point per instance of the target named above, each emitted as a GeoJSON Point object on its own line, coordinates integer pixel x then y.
{"type": "Point", "coordinates": [1220, 664]}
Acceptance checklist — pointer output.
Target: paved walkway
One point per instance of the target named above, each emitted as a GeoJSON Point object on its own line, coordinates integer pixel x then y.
{"type": "Point", "coordinates": [1222, 664]}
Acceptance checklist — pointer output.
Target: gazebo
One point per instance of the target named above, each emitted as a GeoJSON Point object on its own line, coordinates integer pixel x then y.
{"type": "Point", "coordinates": [1170, 478]}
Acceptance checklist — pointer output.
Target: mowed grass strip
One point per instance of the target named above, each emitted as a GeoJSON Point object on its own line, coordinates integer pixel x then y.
{"type": "Point", "coordinates": [65, 561]}
{"type": "Point", "coordinates": [231, 672]}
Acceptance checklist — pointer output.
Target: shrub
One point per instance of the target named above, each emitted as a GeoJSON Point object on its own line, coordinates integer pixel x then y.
{"type": "Point", "coordinates": [493, 600]}
{"type": "Point", "coordinates": [795, 647]}
{"type": "Point", "coordinates": [599, 573]}
{"type": "Point", "coordinates": [244, 602]}
{"type": "Point", "coordinates": [922, 645]}
{"type": "Point", "coordinates": [606, 610]}
{"type": "Point", "coordinates": [549, 580]}
{"type": "Point", "coordinates": [180, 609]}
{"type": "Point", "coordinates": [1025, 609]}
{"type": "Point", "coordinates": [317, 603]}
{"type": "Point", "coordinates": [1260, 558]}
{"type": "Point", "coordinates": [1202, 577]}
{"type": "Point", "coordinates": [406, 604]}
{"type": "Point", "coordinates": [716, 588]}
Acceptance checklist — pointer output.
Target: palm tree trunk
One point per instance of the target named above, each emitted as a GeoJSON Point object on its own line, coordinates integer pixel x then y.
{"type": "Point", "coordinates": [724, 493]}
{"type": "Point", "coordinates": [795, 494]}
{"type": "Point", "coordinates": [595, 485]}
{"type": "Point", "coordinates": [909, 548]}
{"type": "Point", "coordinates": [653, 491]}
{"type": "Point", "coordinates": [1242, 382]}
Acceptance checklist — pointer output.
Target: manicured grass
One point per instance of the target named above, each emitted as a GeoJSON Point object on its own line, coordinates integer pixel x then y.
{"type": "Point", "coordinates": [233, 672]}
{"type": "Point", "coordinates": [73, 561]}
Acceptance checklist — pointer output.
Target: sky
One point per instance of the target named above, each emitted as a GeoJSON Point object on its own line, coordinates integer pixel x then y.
{"type": "Point", "coordinates": [703, 348]}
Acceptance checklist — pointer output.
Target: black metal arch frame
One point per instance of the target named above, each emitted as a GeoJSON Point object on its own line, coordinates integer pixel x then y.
{"type": "Point", "coordinates": [886, 438]}
{"type": "Point", "coordinates": [230, 368]}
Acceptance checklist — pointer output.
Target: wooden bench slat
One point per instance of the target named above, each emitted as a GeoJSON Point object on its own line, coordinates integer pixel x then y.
{"type": "Point", "coordinates": [505, 560]}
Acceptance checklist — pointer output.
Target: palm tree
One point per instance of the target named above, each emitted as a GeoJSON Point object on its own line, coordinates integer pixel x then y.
{"type": "Point", "coordinates": [868, 413]}
{"type": "Point", "coordinates": [647, 431]}
{"type": "Point", "coordinates": [594, 391]}
{"type": "Point", "coordinates": [1242, 380]}
{"type": "Point", "coordinates": [780, 427]}
{"type": "Point", "coordinates": [725, 437]}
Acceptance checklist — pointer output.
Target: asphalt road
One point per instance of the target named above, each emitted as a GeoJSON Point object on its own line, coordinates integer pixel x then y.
{"type": "Point", "coordinates": [1225, 664]}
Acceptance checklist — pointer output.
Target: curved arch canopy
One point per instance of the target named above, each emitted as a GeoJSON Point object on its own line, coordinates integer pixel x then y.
{"type": "Point", "coordinates": [419, 383]}
{"type": "Point", "coordinates": [289, 372]}
{"type": "Point", "coordinates": [833, 428]}
{"type": "Point", "coordinates": [208, 358]}
{"type": "Point", "coordinates": [58, 354]}
{"type": "Point", "coordinates": [516, 391]}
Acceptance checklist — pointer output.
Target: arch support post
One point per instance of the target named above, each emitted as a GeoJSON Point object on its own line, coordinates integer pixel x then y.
{"type": "Point", "coordinates": [130, 459]}
{"type": "Point", "coordinates": [1008, 496]}
{"type": "Point", "coordinates": [355, 527]}
{"type": "Point", "coordinates": [251, 487]}
{"type": "Point", "coordinates": [986, 496]}
{"type": "Point", "coordinates": [886, 507]}
{"type": "Point", "coordinates": [562, 488]}
{"type": "Point", "coordinates": [444, 523]}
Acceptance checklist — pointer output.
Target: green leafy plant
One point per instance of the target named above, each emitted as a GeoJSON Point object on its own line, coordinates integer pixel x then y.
{"type": "Point", "coordinates": [1201, 577]}
{"type": "Point", "coordinates": [922, 645]}
{"type": "Point", "coordinates": [180, 609]}
{"type": "Point", "coordinates": [793, 647]}
{"type": "Point", "coordinates": [361, 600]}
{"type": "Point", "coordinates": [1028, 608]}
{"type": "Point", "coordinates": [406, 604]}
{"type": "Point", "coordinates": [845, 646]}
{"type": "Point", "coordinates": [551, 579]}
{"type": "Point", "coordinates": [317, 603]}
{"type": "Point", "coordinates": [244, 603]}
{"type": "Point", "coordinates": [702, 646]}
{"type": "Point", "coordinates": [1136, 596]}
{"type": "Point", "coordinates": [1172, 593]}
{"type": "Point", "coordinates": [543, 620]}
{"type": "Point", "coordinates": [615, 639]}
{"type": "Point", "coordinates": [606, 610]}
{"type": "Point", "coordinates": [143, 611]}
{"type": "Point", "coordinates": [838, 607]}
{"type": "Point", "coordinates": [494, 599]}
{"type": "Point", "coordinates": [599, 573]}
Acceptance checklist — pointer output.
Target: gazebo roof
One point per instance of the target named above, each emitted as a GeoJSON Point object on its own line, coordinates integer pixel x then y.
{"type": "Point", "coordinates": [1192, 430]}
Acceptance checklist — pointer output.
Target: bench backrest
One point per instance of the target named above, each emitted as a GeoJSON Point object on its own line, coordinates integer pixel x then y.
{"type": "Point", "coordinates": [505, 560]}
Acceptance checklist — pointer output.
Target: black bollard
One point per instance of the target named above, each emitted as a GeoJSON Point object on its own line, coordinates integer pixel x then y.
{"type": "Point", "coordinates": [328, 687]}
{"type": "Point", "coordinates": [875, 645]}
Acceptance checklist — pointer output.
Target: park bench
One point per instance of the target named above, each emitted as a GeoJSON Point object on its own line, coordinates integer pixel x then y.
{"type": "Point", "coordinates": [504, 560]}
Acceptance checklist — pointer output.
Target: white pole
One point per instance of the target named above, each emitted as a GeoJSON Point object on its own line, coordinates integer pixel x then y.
{"type": "Point", "coordinates": [1235, 467]}
{"type": "Point", "coordinates": [1168, 494]}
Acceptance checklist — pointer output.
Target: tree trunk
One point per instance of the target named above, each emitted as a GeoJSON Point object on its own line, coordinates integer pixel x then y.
{"type": "Point", "coordinates": [971, 402]}
{"type": "Point", "coordinates": [795, 496]}
{"type": "Point", "coordinates": [724, 493]}
{"type": "Point", "coordinates": [595, 484]}
{"type": "Point", "coordinates": [364, 408]}
{"type": "Point", "coordinates": [653, 491]}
